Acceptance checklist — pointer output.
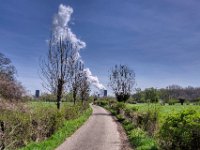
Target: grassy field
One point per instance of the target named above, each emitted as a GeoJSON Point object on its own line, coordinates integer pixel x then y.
{"type": "Point", "coordinates": [39, 104]}
{"type": "Point", "coordinates": [163, 110]}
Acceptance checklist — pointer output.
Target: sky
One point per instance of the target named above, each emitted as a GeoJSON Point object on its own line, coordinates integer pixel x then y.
{"type": "Point", "coordinates": [158, 39]}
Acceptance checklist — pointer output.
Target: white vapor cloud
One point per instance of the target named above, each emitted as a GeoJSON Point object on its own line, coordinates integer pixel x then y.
{"type": "Point", "coordinates": [61, 27]}
{"type": "Point", "coordinates": [62, 30]}
{"type": "Point", "coordinates": [93, 79]}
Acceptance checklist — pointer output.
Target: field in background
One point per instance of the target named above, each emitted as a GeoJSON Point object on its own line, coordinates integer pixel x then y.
{"type": "Point", "coordinates": [40, 104]}
{"type": "Point", "coordinates": [163, 110]}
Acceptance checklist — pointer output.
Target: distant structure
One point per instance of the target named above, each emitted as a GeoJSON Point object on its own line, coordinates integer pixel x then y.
{"type": "Point", "coordinates": [104, 93]}
{"type": "Point", "coordinates": [37, 93]}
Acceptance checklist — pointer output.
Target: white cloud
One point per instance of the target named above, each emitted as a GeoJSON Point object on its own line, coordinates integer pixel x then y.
{"type": "Point", "coordinates": [93, 79]}
{"type": "Point", "coordinates": [62, 30]}
{"type": "Point", "coordinates": [61, 27]}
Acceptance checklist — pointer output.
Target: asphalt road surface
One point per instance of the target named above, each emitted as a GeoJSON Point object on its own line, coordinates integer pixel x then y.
{"type": "Point", "coordinates": [98, 133]}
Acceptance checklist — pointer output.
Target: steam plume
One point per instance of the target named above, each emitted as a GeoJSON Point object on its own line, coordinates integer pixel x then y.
{"type": "Point", "coordinates": [93, 79]}
{"type": "Point", "coordinates": [62, 30]}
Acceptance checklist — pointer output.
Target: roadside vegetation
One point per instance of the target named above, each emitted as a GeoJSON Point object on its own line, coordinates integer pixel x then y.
{"type": "Point", "coordinates": [37, 121]}
{"type": "Point", "coordinates": [154, 126]}
{"type": "Point", "coordinates": [68, 128]}
{"type": "Point", "coordinates": [47, 120]}
{"type": "Point", "coordinates": [154, 119]}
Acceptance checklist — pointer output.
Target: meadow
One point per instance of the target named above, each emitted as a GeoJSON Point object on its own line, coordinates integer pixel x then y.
{"type": "Point", "coordinates": [163, 110]}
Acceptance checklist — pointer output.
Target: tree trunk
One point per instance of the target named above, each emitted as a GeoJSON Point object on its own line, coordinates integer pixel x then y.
{"type": "Point", "coordinates": [58, 101]}
{"type": "Point", "coordinates": [74, 97]}
{"type": "Point", "coordinates": [59, 93]}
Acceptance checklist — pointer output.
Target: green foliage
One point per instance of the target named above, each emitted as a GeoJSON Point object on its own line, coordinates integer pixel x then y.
{"type": "Point", "coordinates": [151, 95]}
{"type": "Point", "coordinates": [16, 127]}
{"type": "Point", "coordinates": [181, 131]}
{"type": "Point", "coordinates": [102, 103]}
{"type": "Point", "coordinates": [169, 126]}
{"type": "Point", "coordinates": [141, 141]}
{"type": "Point", "coordinates": [172, 101]}
{"type": "Point", "coordinates": [119, 107]}
{"type": "Point", "coordinates": [121, 97]}
{"type": "Point", "coordinates": [137, 137]}
{"type": "Point", "coordinates": [38, 121]}
{"type": "Point", "coordinates": [56, 139]}
{"type": "Point", "coordinates": [45, 97]}
{"type": "Point", "coordinates": [120, 118]}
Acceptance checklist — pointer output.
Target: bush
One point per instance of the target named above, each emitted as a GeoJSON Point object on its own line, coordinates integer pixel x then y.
{"type": "Point", "coordinates": [141, 141]}
{"type": "Point", "coordinates": [172, 101]}
{"type": "Point", "coordinates": [147, 121]}
{"type": "Point", "coordinates": [17, 129]}
{"type": "Point", "coordinates": [181, 131]}
{"type": "Point", "coordinates": [102, 103]}
{"type": "Point", "coordinates": [33, 124]}
{"type": "Point", "coordinates": [120, 118]}
{"type": "Point", "coordinates": [119, 107]}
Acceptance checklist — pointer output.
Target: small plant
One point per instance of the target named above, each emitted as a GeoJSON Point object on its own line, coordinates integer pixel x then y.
{"type": "Point", "coordinates": [120, 118]}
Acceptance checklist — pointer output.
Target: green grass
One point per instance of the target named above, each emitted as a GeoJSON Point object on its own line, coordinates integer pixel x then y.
{"type": "Point", "coordinates": [163, 110]}
{"type": "Point", "coordinates": [59, 137]}
{"type": "Point", "coordinates": [39, 104]}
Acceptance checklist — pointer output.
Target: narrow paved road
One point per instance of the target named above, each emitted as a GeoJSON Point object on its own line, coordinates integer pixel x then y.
{"type": "Point", "coordinates": [98, 133]}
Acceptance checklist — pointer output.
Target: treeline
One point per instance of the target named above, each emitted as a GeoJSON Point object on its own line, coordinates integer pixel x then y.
{"type": "Point", "coordinates": [172, 93]}
{"type": "Point", "coordinates": [67, 97]}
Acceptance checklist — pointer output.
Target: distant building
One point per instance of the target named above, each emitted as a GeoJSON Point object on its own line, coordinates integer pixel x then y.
{"type": "Point", "coordinates": [37, 93]}
{"type": "Point", "coordinates": [104, 93]}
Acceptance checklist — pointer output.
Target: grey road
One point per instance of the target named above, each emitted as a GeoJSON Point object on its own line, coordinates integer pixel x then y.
{"type": "Point", "coordinates": [98, 133]}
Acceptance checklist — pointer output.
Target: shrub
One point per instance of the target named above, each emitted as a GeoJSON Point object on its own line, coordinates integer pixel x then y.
{"type": "Point", "coordinates": [172, 101]}
{"type": "Point", "coordinates": [181, 131]}
{"type": "Point", "coordinates": [17, 131]}
{"type": "Point", "coordinates": [147, 121]}
{"type": "Point", "coordinates": [118, 107]}
{"type": "Point", "coordinates": [128, 125]}
{"type": "Point", "coordinates": [102, 103]}
{"type": "Point", "coordinates": [141, 141]}
{"type": "Point", "coordinates": [21, 126]}
{"type": "Point", "coordinates": [120, 118]}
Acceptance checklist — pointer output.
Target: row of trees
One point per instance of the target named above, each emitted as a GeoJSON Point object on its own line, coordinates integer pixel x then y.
{"type": "Point", "coordinates": [122, 81]}
{"type": "Point", "coordinates": [172, 92]}
{"type": "Point", "coordinates": [63, 70]}
{"type": "Point", "coordinates": [10, 88]}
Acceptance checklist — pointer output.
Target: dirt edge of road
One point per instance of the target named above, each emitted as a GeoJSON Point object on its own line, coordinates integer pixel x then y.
{"type": "Point", "coordinates": [125, 144]}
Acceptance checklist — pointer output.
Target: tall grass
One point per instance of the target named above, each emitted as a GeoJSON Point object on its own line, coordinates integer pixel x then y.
{"type": "Point", "coordinates": [35, 122]}
{"type": "Point", "coordinates": [69, 127]}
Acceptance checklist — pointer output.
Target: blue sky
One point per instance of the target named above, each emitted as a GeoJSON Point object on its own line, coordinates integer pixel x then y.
{"type": "Point", "coordinates": [158, 39]}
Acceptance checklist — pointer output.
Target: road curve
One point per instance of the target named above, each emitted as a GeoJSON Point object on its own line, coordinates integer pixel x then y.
{"type": "Point", "coordinates": [98, 133]}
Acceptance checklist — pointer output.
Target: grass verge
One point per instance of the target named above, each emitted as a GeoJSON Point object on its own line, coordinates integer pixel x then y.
{"type": "Point", "coordinates": [69, 127]}
{"type": "Point", "coordinates": [138, 138]}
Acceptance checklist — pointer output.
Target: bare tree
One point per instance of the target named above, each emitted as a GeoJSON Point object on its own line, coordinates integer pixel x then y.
{"type": "Point", "coordinates": [84, 87]}
{"type": "Point", "coordinates": [6, 67]}
{"type": "Point", "coordinates": [10, 88]}
{"type": "Point", "coordinates": [75, 72]}
{"type": "Point", "coordinates": [55, 68]}
{"type": "Point", "coordinates": [122, 80]}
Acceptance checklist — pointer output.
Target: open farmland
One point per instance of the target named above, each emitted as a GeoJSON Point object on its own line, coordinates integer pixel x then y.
{"type": "Point", "coordinates": [163, 110]}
